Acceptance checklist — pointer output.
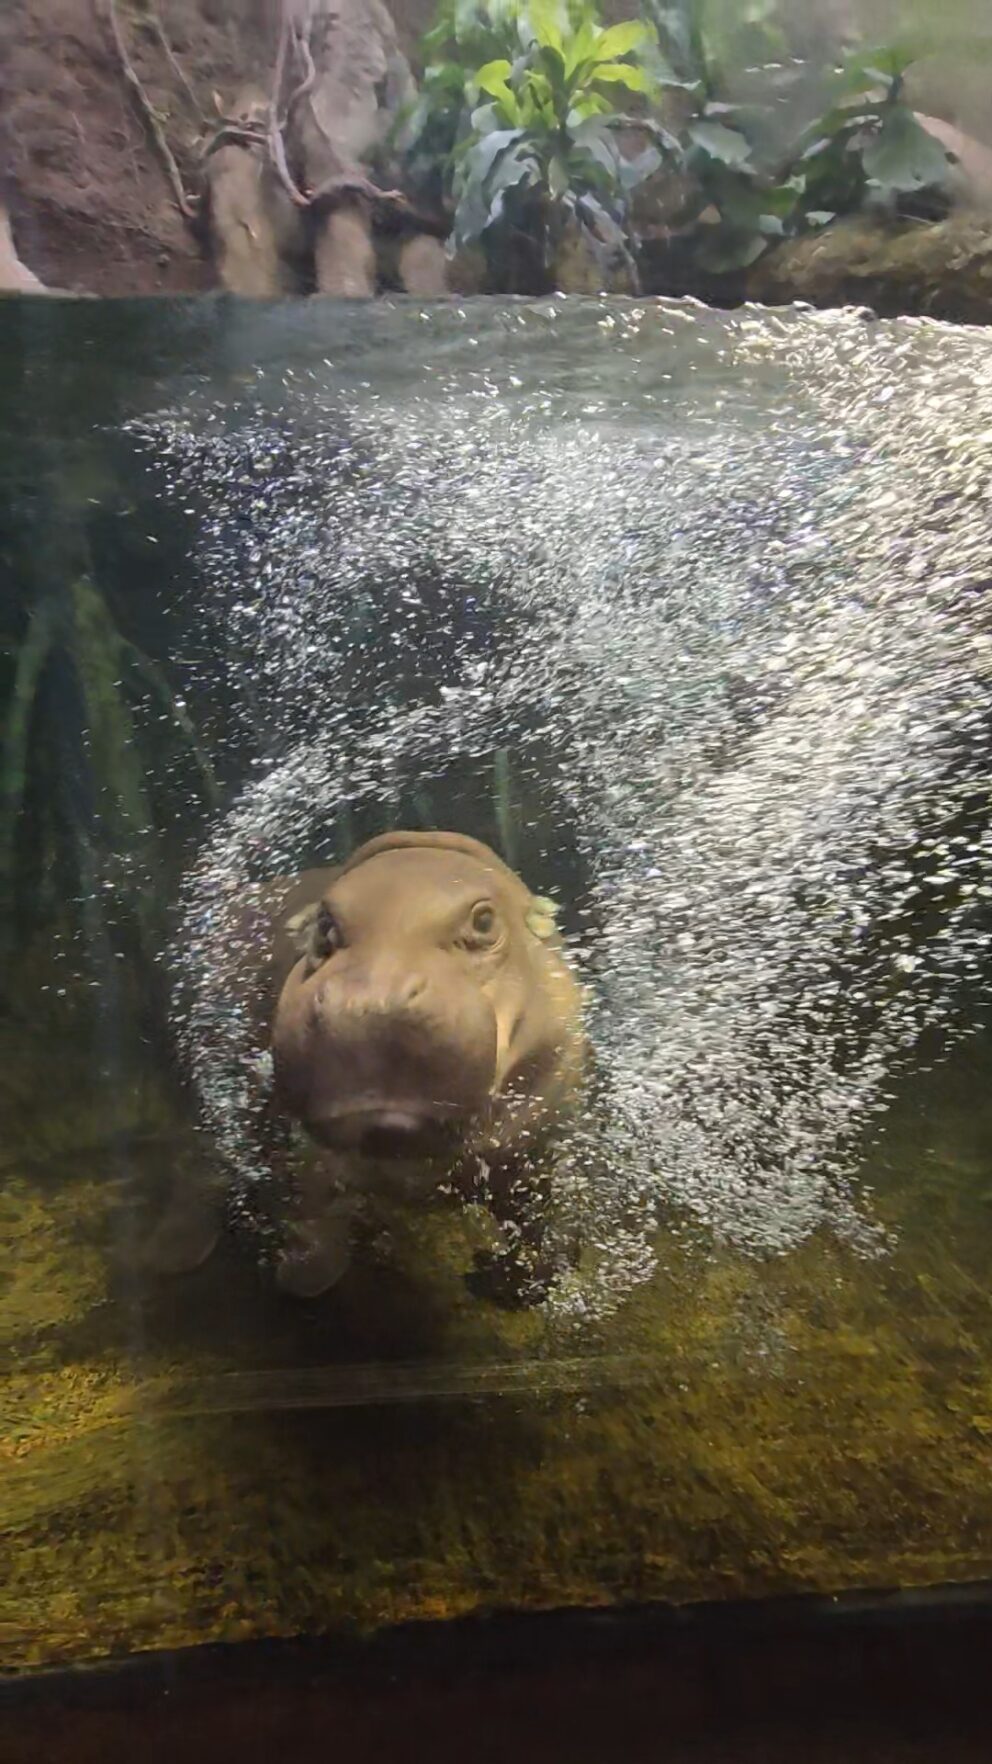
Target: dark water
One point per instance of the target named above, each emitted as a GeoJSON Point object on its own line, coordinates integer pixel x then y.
{"type": "Point", "coordinates": [687, 615]}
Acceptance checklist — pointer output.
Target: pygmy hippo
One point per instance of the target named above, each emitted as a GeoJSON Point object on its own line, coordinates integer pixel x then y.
{"type": "Point", "coordinates": [426, 1031]}
{"type": "Point", "coordinates": [427, 1026]}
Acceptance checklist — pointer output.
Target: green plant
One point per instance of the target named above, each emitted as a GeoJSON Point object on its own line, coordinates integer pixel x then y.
{"type": "Point", "coordinates": [78, 827]}
{"type": "Point", "coordinates": [868, 145]}
{"type": "Point", "coordinates": [516, 117]}
{"type": "Point", "coordinates": [745, 187]}
{"type": "Point", "coordinates": [518, 130]}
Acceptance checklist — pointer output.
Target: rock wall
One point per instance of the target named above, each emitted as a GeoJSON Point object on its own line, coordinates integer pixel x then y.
{"type": "Point", "coordinates": [109, 113]}
{"type": "Point", "coordinates": [93, 207]}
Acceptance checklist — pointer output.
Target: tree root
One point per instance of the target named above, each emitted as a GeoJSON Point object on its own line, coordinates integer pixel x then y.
{"type": "Point", "coordinates": [348, 184]}
{"type": "Point", "coordinates": [174, 61]}
{"type": "Point", "coordinates": [263, 127]}
{"type": "Point", "coordinates": [293, 35]}
{"type": "Point", "coordinates": [234, 132]}
{"type": "Point", "coordinates": [188, 205]}
{"type": "Point", "coordinates": [309, 69]}
{"type": "Point", "coordinates": [277, 144]}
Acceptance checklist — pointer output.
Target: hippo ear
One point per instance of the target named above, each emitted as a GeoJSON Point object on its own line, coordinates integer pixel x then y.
{"type": "Point", "coordinates": [542, 917]}
{"type": "Point", "coordinates": [299, 927]}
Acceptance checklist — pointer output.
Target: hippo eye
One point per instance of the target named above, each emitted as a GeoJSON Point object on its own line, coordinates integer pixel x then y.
{"type": "Point", "coordinates": [326, 936]}
{"type": "Point", "coordinates": [482, 925]}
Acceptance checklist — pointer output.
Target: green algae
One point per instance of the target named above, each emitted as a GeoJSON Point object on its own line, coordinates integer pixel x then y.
{"type": "Point", "coordinates": [35, 1252]}
{"type": "Point", "coordinates": [814, 1422]}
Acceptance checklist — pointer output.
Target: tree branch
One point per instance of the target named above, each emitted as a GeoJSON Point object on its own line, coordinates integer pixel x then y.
{"type": "Point", "coordinates": [187, 205]}
{"type": "Point", "coordinates": [174, 61]}
{"type": "Point", "coordinates": [277, 146]}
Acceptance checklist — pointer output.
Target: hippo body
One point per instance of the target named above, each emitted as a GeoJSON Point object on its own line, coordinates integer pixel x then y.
{"type": "Point", "coordinates": [426, 1033]}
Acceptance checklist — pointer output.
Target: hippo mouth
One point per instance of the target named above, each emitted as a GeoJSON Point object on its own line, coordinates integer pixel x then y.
{"type": "Point", "coordinates": [389, 1130]}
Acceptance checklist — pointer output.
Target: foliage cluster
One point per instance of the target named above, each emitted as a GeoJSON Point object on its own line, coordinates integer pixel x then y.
{"type": "Point", "coordinates": [749, 187]}
{"type": "Point", "coordinates": [522, 128]}
{"type": "Point", "coordinates": [515, 124]}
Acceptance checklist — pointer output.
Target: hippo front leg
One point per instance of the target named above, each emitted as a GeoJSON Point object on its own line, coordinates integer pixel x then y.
{"type": "Point", "coordinates": [521, 1272]}
{"type": "Point", "coordinates": [186, 1235]}
{"type": "Point", "coordinates": [317, 1250]}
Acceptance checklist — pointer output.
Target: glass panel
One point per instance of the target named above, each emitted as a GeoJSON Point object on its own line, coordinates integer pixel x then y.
{"type": "Point", "coordinates": [685, 616]}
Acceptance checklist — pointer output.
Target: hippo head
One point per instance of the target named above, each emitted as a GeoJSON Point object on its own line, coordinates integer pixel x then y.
{"type": "Point", "coordinates": [430, 1006]}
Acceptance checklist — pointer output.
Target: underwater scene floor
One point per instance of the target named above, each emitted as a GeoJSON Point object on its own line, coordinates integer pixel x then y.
{"type": "Point", "coordinates": [197, 1460]}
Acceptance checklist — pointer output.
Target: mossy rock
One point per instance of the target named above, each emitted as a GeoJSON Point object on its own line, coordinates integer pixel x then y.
{"type": "Point", "coordinates": [938, 270]}
{"type": "Point", "coordinates": [51, 1272]}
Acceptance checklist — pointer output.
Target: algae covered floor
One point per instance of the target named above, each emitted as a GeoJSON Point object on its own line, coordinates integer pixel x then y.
{"type": "Point", "coordinates": [193, 1460]}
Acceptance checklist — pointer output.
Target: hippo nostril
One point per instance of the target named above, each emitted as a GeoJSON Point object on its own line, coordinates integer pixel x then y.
{"type": "Point", "coordinates": [413, 988]}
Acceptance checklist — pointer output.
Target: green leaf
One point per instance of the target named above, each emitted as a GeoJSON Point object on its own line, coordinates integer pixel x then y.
{"type": "Point", "coordinates": [577, 74]}
{"type": "Point", "coordinates": [445, 76]}
{"type": "Point", "coordinates": [620, 39]}
{"type": "Point", "coordinates": [518, 166]}
{"type": "Point", "coordinates": [637, 171]}
{"type": "Point", "coordinates": [657, 64]}
{"type": "Point", "coordinates": [465, 19]}
{"type": "Point", "coordinates": [720, 143]}
{"type": "Point", "coordinates": [493, 119]}
{"type": "Point", "coordinates": [591, 104]}
{"type": "Point", "coordinates": [621, 73]}
{"type": "Point", "coordinates": [537, 106]}
{"type": "Point", "coordinates": [493, 77]}
{"type": "Point", "coordinates": [175, 713]}
{"type": "Point", "coordinates": [486, 151]}
{"type": "Point", "coordinates": [606, 229]}
{"type": "Point", "coordinates": [677, 23]}
{"type": "Point", "coordinates": [876, 66]}
{"type": "Point", "coordinates": [553, 63]}
{"type": "Point", "coordinates": [113, 749]}
{"type": "Point", "coordinates": [781, 199]}
{"type": "Point", "coordinates": [472, 208]}
{"type": "Point", "coordinates": [819, 217]}
{"type": "Point", "coordinates": [582, 48]}
{"type": "Point", "coordinates": [903, 156]}
{"type": "Point", "coordinates": [471, 214]}
{"type": "Point", "coordinates": [590, 137]}
{"type": "Point", "coordinates": [504, 111]}
{"type": "Point", "coordinates": [545, 22]}
{"type": "Point", "coordinates": [31, 661]}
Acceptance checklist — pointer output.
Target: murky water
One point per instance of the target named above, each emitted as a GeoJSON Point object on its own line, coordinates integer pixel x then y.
{"type": "Point", "coordinates": [687, 615]}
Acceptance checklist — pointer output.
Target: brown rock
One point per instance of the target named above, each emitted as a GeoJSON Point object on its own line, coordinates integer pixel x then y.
{"type": "Point", "coordinates": [360, 79]}
{"type": "Point", "coordinates": [422, 267]}
{"type": "Point", "coordinates": [15, 277]}
{"type": "Point", "coordinates": [245, 233]}
{"type": "Point", "coordinates": [344, 255]}
{"type": "Point", "coordinates": [972, 173]}
{"type": "Point", "coordinates": [467, 271]}
{"type": "Point", "coordinates": [581, 267]}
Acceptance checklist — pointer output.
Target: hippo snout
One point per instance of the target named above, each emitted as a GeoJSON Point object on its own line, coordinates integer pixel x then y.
{"type": "Point", "coordinates": [395, 995]}
{"type": "Point", "coordinates": [387, 1131]}
{"type": "Point", "coordinates": [387, 1058]}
